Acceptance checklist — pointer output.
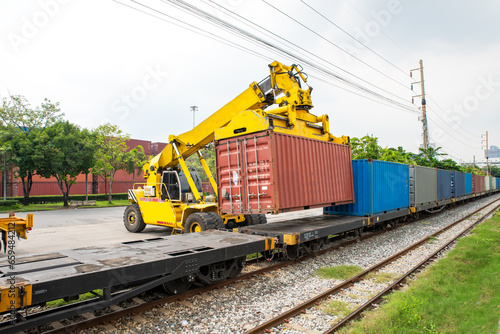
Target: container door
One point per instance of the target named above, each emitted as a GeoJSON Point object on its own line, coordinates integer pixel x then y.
{"type": "Point", "coordinates": [230, 176]}
{"type": "Point", "coordinates": [244, 175]}
{"type": "Point", "coordinates": [258, 187]}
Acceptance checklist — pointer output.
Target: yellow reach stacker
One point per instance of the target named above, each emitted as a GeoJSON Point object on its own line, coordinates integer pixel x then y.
{"type": "Point", "coordinates": [171, 194]}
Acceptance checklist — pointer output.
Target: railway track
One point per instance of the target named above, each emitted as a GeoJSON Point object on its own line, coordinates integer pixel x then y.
{"type": "Point", "coordinates": [138, 305]}
{"type": "Point", "coordinates": [116, 312]}
{"type": "Point", "coordinates": [287, 316]}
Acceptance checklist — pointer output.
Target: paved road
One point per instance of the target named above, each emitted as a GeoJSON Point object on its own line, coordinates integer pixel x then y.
{"type": "Point", "coordinates": [76, 228]}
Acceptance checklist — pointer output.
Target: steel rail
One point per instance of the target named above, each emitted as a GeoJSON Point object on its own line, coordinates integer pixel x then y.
{"type": "Point", "coordinates": [284, 317]}
{"type": "Point", "coordinates": [121, 312]}
{"type": "Point", "coordinates": [357, 313]}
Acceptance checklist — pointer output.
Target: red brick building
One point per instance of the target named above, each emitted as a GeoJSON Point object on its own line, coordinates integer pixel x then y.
{"type": "Point", "coordinates": [121, 184]}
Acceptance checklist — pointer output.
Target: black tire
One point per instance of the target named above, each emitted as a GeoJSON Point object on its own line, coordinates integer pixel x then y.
{"type": "Point", "coordinates": [132, 219]}
{"type": "Point", "coordinates": [199, 221]}
{"type": "Point", "coordinates": [262, 219]}
{"type": "Point", "coordinates": [250, 220]}
{"type": "Point", "coordinates": [255, 219]}
{"type": "Point", "coordinates": [218, 221]}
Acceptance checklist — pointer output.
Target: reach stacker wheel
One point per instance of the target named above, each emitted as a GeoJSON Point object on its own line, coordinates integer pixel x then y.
{"type": "Point", "coordinates": [132, 219]}
{"type": "Point", "coordinates": [200, 221]}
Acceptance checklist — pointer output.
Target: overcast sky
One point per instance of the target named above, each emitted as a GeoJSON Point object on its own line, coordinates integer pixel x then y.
{"type": "Point", "coordinates": [105, 62]}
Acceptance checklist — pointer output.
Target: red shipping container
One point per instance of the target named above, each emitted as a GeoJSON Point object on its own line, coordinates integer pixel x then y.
{"type": "Point", "coordinates": [291, 173]}
{"type": "Point", "coordinates": [478, 184]}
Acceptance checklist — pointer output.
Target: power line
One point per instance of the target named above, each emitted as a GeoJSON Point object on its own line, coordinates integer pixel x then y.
{"type": "Point", "coordinates": [381, 31]}
{"type": "Point", "coordinates": [194, 29]}
{"type": "Point", "coordinates": [335, 45]}
{"type": "Point", "coordinates": [212, 36]}
{"type": "Point", "coordinates": [437, 105]}
{"type": "Point", "coordinates": [354, 38]}
{"type": "Point", "coordinates": [409, 54]}
{"type": "Point", "coordinates": [250, 23]}
{"type": "Point", "coordinates": [451, 134]}
{"type": "Point", "coordinates": [366, 97]}
{"type": "Point", "coordinates": [225, 25]}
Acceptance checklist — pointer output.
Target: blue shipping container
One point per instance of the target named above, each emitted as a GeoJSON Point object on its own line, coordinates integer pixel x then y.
{"type": "Point", "coordinates": [457, 184]}
{"type": "Point", "coordinates": [498, 183]}
{"type": "Point", "coordinates": [443, 184]}
{"type": "Point", "coordinates": [468, 183]}
{"type": "Point", "coordinates": [379, 187]}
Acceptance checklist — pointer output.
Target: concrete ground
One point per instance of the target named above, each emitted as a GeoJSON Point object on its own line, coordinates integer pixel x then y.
{"type": "Point", "coordinates": [76, 228]}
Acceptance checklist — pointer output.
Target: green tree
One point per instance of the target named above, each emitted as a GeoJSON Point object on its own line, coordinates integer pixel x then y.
{"type": "Point", "coordinates": [22, 127]}
{"type": "Point", "coordinates": [64, 152]}
{"type": "Point", "coordinates": [193, 162]}
{"type": "Point", "coordinates": [135, 159]}
{"type": "Point", "coordinates": [110, 154]}
{"type": "Point", "coordinates": [495, 171]}
{"type": "Point", "coordinates": [428, 157]}
{"type": "Point", "coordinates": [365, 148]}
{"type": "Point", "coordinates": [397, 155]}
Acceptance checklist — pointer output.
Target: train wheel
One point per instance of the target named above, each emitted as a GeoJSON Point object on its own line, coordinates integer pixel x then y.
{"type": "Point", "coordinates": [178, 286]}
{"type": "Point", "coordinates": [316, 245]}
{"type": "Point", "coordinates": [236, 267]}
{"type": "Point", "coordinates": [132, 219]}
{"type": "Point", "coordinates": [292, 252]}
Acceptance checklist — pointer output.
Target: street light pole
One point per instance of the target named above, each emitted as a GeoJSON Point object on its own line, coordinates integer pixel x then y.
{"type": "Point", "coordinates": [194, 109]}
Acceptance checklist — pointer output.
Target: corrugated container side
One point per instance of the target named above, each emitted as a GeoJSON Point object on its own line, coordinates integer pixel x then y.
{"type": "Point", "coordinates": [318, 173]}
{"type": "Point", "coordinates": [423, 185]}
{"type": "Point", "coordinates": [362, 205]}
{"type": "Point", "coordinates": [458, 184]}
{"type": "Point", "coordinates": [468, 183]}
{"type": "Point", "coordinates": [498, 182]}
{"type": "Point", "coordinates": [379, 187]}
{"type": "Point", "coordinates": [269, 172]}
{"type": "Point", "coordinates": [487, 183]}
{"type": "Point", "coordinates": [443, 184]}
{"type": "Point", "coordinates": [478, 184]}
{"type": "Point", "coordinates": [391, 188]}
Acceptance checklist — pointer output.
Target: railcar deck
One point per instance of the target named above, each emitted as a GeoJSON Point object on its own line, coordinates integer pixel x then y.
{"type": "Point", "coordinates": [296, 231]}
{"type": "Point", "coordinates": [36, 279]}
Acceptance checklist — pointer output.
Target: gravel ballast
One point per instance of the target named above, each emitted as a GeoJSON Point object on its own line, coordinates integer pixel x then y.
{"type": "Point", "coordinates": [242, 306]}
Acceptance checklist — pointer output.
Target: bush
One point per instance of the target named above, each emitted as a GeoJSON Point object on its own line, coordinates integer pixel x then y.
{"type": "Point", "coordinates": [9, 203]}
{"type": "Point", "coordinates": [59, 198]}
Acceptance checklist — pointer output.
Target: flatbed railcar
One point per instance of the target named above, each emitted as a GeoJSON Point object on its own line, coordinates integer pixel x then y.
{"type": "Point", "coordinates": [121, 271]}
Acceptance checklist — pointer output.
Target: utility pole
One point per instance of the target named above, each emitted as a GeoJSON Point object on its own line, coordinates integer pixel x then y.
{"type": "Point", "coordinates": [487, 153]}
{"type": "Point", "coordinates": [422, 118]}
{"type": "Point", "coordinates": [194, 109]}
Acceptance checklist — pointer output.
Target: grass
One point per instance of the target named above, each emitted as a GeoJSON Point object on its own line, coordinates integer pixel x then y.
{"type": "Point", "coordinates": [459, 294]}
{"type": "Point", "coordinates": [82, 297]}
{"type": "Point", "coordinates": [336, 307]}
{"type": "Point", "coordinates": [338, 272]}
{"type": "Point", "coordinates": [59, 206]}
{"type": "Point", "coordinates": [381, 277]}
